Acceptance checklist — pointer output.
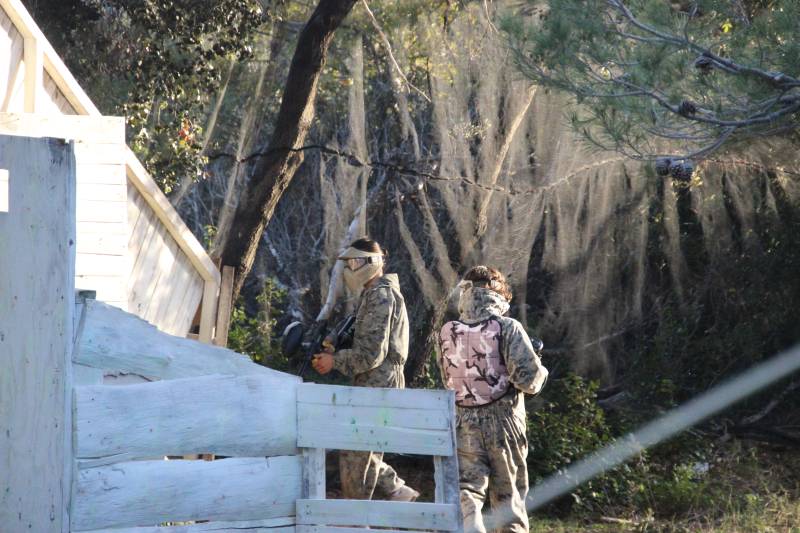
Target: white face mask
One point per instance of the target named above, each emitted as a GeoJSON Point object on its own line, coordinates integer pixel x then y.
{"type": "Point", "coordinates": [356, 279]}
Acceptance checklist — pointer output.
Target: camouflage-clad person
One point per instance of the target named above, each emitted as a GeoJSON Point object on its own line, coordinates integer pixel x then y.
{"type": "Point", "coordinates": [376, 359]}
{"type": "Point", "coordinates": [489, 361]}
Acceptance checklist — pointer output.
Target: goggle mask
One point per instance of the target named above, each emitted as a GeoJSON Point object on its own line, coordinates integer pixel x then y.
{"type": "Point", "coordinates": [356, 263]}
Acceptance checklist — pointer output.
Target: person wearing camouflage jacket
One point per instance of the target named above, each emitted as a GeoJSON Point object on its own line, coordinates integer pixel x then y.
{"type": "Point", "coordinates": [376, 359]}
{"type": "Point", "coordinates": [491, 438]}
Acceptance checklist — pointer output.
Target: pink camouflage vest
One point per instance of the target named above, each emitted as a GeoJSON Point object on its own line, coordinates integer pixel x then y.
{"type": "Point", "coordinates": [472, 362]}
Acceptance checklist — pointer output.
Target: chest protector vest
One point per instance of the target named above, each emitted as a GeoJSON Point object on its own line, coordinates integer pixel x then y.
{"type": "Point", "coordinates": [473, 362]}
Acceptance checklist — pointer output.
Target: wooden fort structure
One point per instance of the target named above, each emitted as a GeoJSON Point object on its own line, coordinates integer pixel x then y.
{"type": "Point", "coordinates": [80, 452]}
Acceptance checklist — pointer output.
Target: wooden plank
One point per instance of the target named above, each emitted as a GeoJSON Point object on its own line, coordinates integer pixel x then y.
{"type": "Point", "coordinates": [224, 307]}
{"type": "Point", "coordinates": [37, 303]}
{"type": "Point", "coordinates": [375, 419]}
{"type": "Point", "coordinates": [100, 154]}
{"type": "Point", "coordinates": [398, 416]}
{"type": "Point", "coordinates": [333, 529]}
{"type": "Point", "coordinates": [144, 268]}
{"type": "Point", "coordinates": [209, 311]}
{"type": "Point", "coordinates": [101, 211]}
{"type": "Point", "coordinates": [249, 416]}
{"type": "Point", "coordinates": [99, 265]}
{"type": "Point", "coordinates": [102, 244]}
{"type": "Point", "coordinates": [102, 174]}
{"type": "Point", "coordinates": [436, 516]}
{"type": "Point", "coordinates": [116, 340]}
{"type": "Point", "coordinates": [273, 525]}
{"type": "Point", "coordinates": [34, 72]}
{"type": "Point", "coordinates": [11, 63]}
{"type": "Point", "coordinates": [446, 475]}
{"type": "Point", "coordinates": [338, 436]}
{"type": "Point", "coordinates": [139, 230]}
{"type": "Point", "coordinates": [174, 286]}
{"type": "Point", "coordinates": [183, 318]}
{"type": "Point", "coordinates": [376, 397]}
{"type": "Point", "coordinates": [54, 98]}
{"type": "Point", "coordinates": [158, 292]}
{"type": "Point", "coordinates": [91, 130]}
{"type": "Point", "coordinates": [313, 484]}
{"type": "Point", "coordinates": [142, 493]}
{"type": "Point", "coordinates": [104, 192]}
{"type": "Point", "coordinates": [140, 179]}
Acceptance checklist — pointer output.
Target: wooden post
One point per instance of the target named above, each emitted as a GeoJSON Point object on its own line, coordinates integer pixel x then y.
{"type": "Point", "coordinates": [208, 312]}
{"type": "Point", "coordinates": [313, 485]}
{"type": "Point", "coordinates": [224, 307]}
{"type": "Point", "coordinates": [445, 473]}
{"type": "Point", "coordinates": [34, 73]}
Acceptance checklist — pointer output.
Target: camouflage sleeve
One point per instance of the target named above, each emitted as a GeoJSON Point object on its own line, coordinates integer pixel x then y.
{"type": "Point", "coordinates": [371, 337]}
{"type": "Point", "coordinates": [524, 366]}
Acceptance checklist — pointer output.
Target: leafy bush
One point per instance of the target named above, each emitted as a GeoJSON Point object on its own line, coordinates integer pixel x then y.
{"type": "Point", "coordinates": [255, 335]}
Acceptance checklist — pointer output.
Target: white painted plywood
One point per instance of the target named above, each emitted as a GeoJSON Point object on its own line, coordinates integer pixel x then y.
{"type": "Point", "coordinates": [442, 517]}
{"type": "Point", "coordinates": [36, 321]}
{"type": "Point", "coordinates": [142, 493]}
{"type": "Point", "coordinates": [250, 416]}
{"type": "Point", "coordinates": [366, 418]}
{"type": "Point", "coordinates": [115, 340]}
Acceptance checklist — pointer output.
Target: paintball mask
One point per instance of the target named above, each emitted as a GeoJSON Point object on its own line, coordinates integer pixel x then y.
{"type": "Point", "coordinates": [360, 267]}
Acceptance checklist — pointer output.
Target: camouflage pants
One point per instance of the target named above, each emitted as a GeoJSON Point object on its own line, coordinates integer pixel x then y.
{"type": "Point", "coordinates": [362, 472]}
{"type": "Point", "coordinates": [492, 448]}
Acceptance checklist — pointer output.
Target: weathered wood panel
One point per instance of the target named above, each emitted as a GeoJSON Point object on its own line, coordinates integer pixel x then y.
{"type": "Point", "coordinates": [436, 516]}
{"type": "Point", "coordinates": [115, 340]}
{"type": "Point", "coordinates": [249, 416]}
{"type": "Point", "coordinates": [36, 323]}
{"type": "Point", "coordinates": [274, 525]}
{"type": "Point", "coordinates": [389, 420]}
{"type": "Point", "coordinates": [142, 493]}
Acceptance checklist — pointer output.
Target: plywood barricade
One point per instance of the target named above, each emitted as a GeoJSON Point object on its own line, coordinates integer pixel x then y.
{"type": "Point", "coordinates": [271, 429]}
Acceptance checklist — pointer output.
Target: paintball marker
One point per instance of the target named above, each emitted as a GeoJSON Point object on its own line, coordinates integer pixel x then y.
{"type": "Point", "coordinates": [297, 338]}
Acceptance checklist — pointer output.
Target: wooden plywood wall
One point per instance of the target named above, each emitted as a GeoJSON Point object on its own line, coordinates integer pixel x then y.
{"type": "Point", "coordinates": [152, 264]}
{"type": "Point", "coordinates": [37, 236]}
{"type": "Point", "coordinates": [164, 287]}
{"type": "Point", "coordinates": [102, 262]}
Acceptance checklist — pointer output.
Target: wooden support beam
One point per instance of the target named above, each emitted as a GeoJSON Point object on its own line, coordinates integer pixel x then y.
{"type": "Point", "coordinates": [208, 311]}
{"type": "Point", "coordinates": [224, 307]}
{"type": "Point", "coordinates": [313, 487]}
{"type": "Point", "coordinates": [34, 74]}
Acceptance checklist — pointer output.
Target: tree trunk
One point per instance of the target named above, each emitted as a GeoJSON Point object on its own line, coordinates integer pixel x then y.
{"type": "Point", "coordinates": [275, 169]}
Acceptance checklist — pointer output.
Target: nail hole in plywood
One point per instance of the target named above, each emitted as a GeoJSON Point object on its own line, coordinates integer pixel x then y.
{"type": "Point", "coordinates": [3, 191]}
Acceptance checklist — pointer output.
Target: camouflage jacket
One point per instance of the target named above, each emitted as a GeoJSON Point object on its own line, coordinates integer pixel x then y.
{"type": "Point", "coordinates": [525, 369]}
{"type": "Point", "coordinates": [380, 342]}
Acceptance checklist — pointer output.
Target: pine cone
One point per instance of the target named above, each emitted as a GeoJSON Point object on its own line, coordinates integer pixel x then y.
{"type": "Point", "coordinates": [682, 171]}
{"type": "Point", "coordinates": [662, 166]}
{"type": "Point", "coordinates": [704, 64]}
{"type": "Point", "coordinates": [687, 108]}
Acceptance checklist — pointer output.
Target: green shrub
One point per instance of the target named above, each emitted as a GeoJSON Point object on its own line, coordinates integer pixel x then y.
{"type": "Point", "coordinates": [255, 335]}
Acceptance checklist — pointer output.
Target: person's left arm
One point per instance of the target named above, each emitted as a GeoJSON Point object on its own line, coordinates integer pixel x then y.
{"type": "Point", "coordinates": [525, 368]}
{"type": "Point", "coordinates": [371, 337]}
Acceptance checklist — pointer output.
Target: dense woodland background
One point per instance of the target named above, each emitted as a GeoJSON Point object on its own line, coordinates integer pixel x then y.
{"type": "Point", "coordinates": [430, 136]}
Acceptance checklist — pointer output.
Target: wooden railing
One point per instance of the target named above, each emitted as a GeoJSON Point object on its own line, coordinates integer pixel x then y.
{"type": "Point", "coordinates": [271, 429]}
